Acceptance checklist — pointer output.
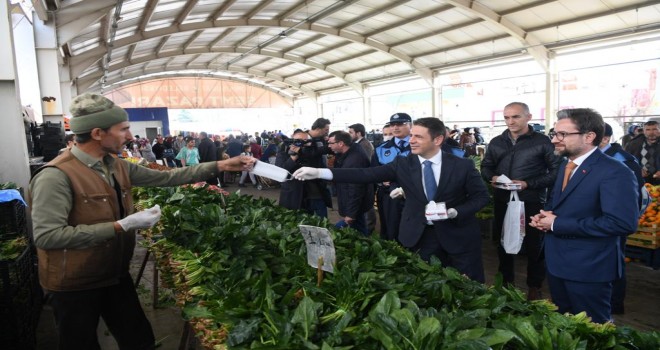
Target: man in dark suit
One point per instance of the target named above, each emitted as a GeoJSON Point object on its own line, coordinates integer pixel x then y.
{"type": "Point", "coordinates": [428, 174]}
{"type": "Point", "coordinates": [592, 205]}
{"type": "Point", "coordinates": [353, 200]}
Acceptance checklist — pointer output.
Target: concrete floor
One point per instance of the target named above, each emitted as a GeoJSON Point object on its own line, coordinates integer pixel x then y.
{"type": "Point", "coordinates": [642, 301]}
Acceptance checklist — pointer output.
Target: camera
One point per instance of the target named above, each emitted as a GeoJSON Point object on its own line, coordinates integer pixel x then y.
{"type": "Point", "coordinates": [295, 142]}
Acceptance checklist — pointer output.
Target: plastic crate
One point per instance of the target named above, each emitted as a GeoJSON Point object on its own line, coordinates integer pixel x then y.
{"type": "Point", "coordinates": [13, 221]}
{"type": "Point", "coordinates": [650, 257]}
{"type": "Point", "coordinates": [20, 302]}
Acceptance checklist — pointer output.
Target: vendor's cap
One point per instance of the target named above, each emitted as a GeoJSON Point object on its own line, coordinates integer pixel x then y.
{"type": "Point", "coordinates": [608, 130]}
{"type": "Point", "coordinates": [400, 118]}
{"type": "Point", "coordinates": [89, 111]}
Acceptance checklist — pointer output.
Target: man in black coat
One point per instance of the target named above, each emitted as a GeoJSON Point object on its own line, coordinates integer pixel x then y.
{"type": "Point", "coordinates": [207, 153]}
{"type": "Point", "coordinates": [527, 158]}
{"type": "Point", "coordinates": [428, 174]}
{"type": "Point", "coordinates": [306, 149]}
{"type": "Point", "coordinates": [353, 200]}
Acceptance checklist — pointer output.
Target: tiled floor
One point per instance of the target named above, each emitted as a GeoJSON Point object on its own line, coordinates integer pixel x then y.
{"type": "Point", "coordinates": [642, 302]}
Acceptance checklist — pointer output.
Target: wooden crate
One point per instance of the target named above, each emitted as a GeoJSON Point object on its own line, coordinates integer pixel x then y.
{"type": "Point", "coordinates": [644, 239]}
{"type": "Point", "coordinates": [652, 229]}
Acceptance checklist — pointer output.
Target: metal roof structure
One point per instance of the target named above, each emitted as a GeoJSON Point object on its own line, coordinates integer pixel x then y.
{"type": "Point", "coordinates": [310, 47]}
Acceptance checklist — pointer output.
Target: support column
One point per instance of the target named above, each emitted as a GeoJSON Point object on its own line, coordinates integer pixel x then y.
{"type": "Point", "coordinates": [436, 98]}
{"type": "Point", "coordinates": [366, 108]}
{"type": "Point", "coordinates": [49, 70]}
{"type": "Point", "coordinates": [551, 103]}
{"type": "Point", "coordinates": [15, 167]}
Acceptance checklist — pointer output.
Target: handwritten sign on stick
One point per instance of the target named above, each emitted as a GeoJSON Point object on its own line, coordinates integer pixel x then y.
{"type": "Point", "coordinates": [319, 245]}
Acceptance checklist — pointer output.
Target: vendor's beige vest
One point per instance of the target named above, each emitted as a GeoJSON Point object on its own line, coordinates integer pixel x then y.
{"type": "Point", "coordinates": [94, 201]}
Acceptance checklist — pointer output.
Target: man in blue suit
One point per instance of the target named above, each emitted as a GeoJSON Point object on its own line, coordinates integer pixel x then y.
{"type": "Point", "coordinates": [593, 204]}
{"type": "Point", "coordinates": [428, 174]}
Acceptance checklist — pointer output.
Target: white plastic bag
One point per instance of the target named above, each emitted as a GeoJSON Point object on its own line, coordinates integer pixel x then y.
{"type": "Point", "coordinates": [513, 229]}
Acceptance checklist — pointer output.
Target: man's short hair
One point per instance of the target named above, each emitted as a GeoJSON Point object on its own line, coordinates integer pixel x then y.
{"type": "Point", "coordinates": [586, 120]}
{"type": "Point", "coordinates": [436, 126]}
{"type": "Point", "coordinates": [523, 105]}
{"type": "Point", "coordinates": [358, 128]}
{"type": "Point", "coordinates": [203, 134]}
{"type": "Point", "coordinates": [651, 123]}
{"type": "Point", "coordinates": [342, 136]}
{"type": "Point", "coordinates": [320, 123]}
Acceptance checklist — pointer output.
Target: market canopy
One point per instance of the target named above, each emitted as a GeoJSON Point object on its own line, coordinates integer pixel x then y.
{"type": "Point", "coordinates": [298, 47]}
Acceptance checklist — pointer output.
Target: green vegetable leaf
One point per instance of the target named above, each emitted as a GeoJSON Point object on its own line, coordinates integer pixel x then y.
{"type": "Point", "coordinates": [305, 315]}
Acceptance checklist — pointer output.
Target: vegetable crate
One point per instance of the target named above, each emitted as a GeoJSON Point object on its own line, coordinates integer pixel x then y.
{"type": "Point", "coordinates": [646, 237]}
{"type": "Point", "coordinates": [12, 219]}
{"type": "Point", "coordinates": [20, 302]}
{"type": "Point", "coordinates": [650, 257]}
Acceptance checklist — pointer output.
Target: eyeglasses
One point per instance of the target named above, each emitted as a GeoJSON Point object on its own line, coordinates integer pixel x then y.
{"type": "Point", "coordinates": [397, 124]}
{"type": "Point", "coordinates": [560, 135]}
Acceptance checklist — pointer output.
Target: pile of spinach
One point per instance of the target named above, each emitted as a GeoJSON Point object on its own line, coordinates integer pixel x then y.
{"type": "Point", "coordinates": [239, 268]}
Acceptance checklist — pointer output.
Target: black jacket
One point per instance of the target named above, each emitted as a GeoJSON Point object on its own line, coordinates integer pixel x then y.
{"type": "Point", "coordinates": [293, 193]}
{"type": "Point", "coordinates": [352, 198]}
{"type": "Point", "coordinates": [207, 151]}
{"type": "Point", "coordinates": [531, 159]}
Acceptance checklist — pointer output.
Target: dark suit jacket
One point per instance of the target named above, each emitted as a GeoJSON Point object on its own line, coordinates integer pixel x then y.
{"type": "Point", "coordinates": [207, 151]}
{"type": "Point", "coordinates": [598, 206]}
{"type": "Point", "coordinates": [460, 187]}
{"type": "Point", "coordinates": [354, 199]}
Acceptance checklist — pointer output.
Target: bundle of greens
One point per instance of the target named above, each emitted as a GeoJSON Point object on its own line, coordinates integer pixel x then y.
{"type": "Point", "coordinates": [12, 248]}
{"type": "Point", "coordinates": [239, 269]}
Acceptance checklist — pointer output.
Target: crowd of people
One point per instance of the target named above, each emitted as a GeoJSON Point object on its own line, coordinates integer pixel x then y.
{"type": "Point", "coordinates": [581, 193]}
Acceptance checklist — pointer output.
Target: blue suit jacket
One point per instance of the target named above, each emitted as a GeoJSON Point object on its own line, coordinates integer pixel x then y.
{"type": "Point", "coordinates": [460, 187]}
{"type": "Point", "coordinates": [598, 206]}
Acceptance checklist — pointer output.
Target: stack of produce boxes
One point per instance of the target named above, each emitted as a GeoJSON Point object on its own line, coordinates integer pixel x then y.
{"type": "Point", "coordinates": [20, 294]}
{"type": "Point", "coordinates": [645, 243]}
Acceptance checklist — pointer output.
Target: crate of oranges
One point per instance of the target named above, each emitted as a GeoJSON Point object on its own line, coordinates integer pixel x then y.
{"type": "Point", "coordinates": [648, 232]}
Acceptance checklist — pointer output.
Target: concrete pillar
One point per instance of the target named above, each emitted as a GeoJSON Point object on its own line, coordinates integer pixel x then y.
{"type": "Point", "coordinates": [436, 101]}
{"type": "Point", "coordinates": [45, 36]}
{"type": "Point", "coordinates": [15, 164]}
{"type": "Point", "coordinates": [366, 108]}
{"type": "Point", "coordinates": [551, 91]}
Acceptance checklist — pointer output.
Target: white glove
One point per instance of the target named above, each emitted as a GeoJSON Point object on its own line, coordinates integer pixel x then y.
{"type": "Point", "coordinates": [451, 213]}
{"type": "Point", "coordinates": [306, 173]}
{"type": "Point", "coordinates": [397, 193]}
{"type": "Point", "coordinates": [143, 219]}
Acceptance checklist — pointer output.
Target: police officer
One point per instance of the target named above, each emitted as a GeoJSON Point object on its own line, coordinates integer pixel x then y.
{"type": "Point", "coordinates": [389, 209]}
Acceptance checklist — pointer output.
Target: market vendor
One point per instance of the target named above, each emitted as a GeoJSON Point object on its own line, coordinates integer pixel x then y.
{"type": "Point", "coordinates": [84, 226]}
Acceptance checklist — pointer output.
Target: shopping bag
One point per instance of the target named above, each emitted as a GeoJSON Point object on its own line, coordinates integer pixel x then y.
{"type": "Point", "coordinates": [513, 229]}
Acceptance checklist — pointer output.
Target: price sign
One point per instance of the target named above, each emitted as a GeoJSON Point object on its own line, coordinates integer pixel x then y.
{"type": "Point", "coordinates": [319, 245]}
